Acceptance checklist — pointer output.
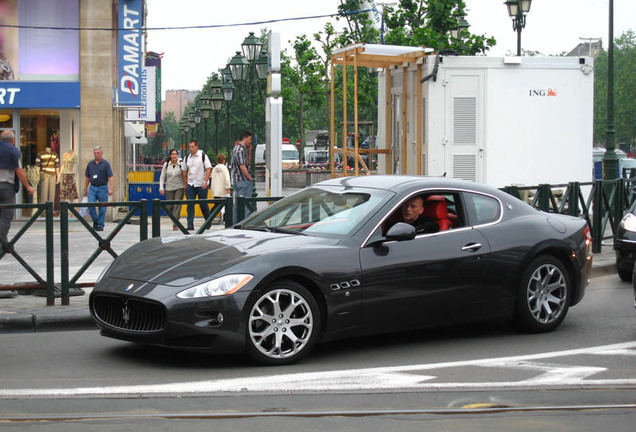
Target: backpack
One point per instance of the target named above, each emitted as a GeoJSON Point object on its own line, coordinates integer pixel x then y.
{"type": "Point", "coordinates": [185, 163]}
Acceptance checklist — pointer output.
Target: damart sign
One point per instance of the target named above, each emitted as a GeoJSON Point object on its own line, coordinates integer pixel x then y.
{"type": "Point", "coordinates": [129, 53]}
{"type": "Point", "coordinates": [147, 89]}
{"type": "Point", "coordinates": [34, 94]}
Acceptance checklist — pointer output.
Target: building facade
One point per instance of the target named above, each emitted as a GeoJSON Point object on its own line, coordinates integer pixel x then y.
{"type": "Point", "coordinates": [58, 87]}
{"type": "Point", "coordinates": [176, 102]}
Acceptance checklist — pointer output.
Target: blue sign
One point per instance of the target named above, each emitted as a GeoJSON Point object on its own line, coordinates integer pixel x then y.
{"type": "Point", "coordinates": [34, 94]}
{"type": "Point", "coordinates": [129, 53]}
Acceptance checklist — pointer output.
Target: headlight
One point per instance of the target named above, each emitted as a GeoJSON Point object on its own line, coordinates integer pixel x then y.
{"type": "Point", "coordinates": [217, 287]}
{"type": "Point", "coordinates": [629, 222]}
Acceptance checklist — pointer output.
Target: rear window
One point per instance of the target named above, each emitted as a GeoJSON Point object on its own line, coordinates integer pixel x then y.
{"type": "Point", "coordinates": [487, 209]}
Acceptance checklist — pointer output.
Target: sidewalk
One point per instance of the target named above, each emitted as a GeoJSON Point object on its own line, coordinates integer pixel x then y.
{"type": "Point", "coordinates": [29, 313]}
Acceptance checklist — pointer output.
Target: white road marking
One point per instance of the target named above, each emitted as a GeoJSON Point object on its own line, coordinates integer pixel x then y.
{"type": "Point", "coordinates": [383, 378]}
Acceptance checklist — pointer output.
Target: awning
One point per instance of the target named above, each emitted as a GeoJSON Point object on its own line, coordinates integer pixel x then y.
{"type": "Point", "coordinates": [130, 131]}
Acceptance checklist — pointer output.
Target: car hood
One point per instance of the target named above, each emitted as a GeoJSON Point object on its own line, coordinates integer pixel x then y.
{"type": "Point", "coordinates": [183, 260]}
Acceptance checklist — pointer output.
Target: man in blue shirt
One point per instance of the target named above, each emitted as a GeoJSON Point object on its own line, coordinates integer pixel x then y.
{"type": "Point", "coordinates": [99, 176]}
{"type": "Point", "coordinates": [10, 172]}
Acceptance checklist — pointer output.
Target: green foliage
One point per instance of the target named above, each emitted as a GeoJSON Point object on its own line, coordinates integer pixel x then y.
{"type": "Point", "coordinates": [428, 23]}
{"type": "Point", "coordinates": [624, 91]}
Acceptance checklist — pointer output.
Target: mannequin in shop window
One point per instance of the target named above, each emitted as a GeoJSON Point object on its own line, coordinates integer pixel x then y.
{"type": "Point", "coordinates": [55, 143]}
{"type": "Point", "coordinates": [49, 163]}
{"type": "Point", "coordinates": [67, 180]}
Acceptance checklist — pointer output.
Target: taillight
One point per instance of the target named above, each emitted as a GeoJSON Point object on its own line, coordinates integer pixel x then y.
{"type": "Point", "coordinates": [588, 241]}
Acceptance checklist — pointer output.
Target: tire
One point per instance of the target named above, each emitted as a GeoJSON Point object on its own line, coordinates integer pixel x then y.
{"type": "Point", "coordinates": [544, 295]}
{"type": "Point", "coordinates": [283, 324]}
{"type": "Point", "coordinates": [623, 273]}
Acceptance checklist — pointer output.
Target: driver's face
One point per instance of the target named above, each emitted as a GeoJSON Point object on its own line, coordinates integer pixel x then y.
{"type": "Point", "coordinates": [412, 209]}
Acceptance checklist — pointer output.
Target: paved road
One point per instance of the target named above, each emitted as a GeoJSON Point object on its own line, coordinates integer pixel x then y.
{"type": "Point", "coordinates": [482, 377]}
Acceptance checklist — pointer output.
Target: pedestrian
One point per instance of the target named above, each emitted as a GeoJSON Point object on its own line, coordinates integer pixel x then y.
{"type": "Point", "coordinates": [172, 177]}
{"type": "Point", "coordinates": [196, 168]}
{"type": "Point", "coordinates": [98, 186]}
{"type": "Point", "coordinates": [221, 184]}
{"type": "Point", "coordinates": [10, 173]}
{"type": "Point", "coordinates": [241, 178]}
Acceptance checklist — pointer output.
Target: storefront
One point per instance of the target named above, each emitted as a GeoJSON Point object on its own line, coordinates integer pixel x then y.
{"type": "Point", "coordinates": [45, 119]}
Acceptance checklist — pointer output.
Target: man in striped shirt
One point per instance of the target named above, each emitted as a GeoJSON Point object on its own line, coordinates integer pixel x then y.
{"type": "Point", "coordinates": [241, 177]}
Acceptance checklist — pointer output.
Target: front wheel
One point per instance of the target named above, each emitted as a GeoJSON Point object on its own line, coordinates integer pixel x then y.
{"type": "Point", "coordinates": [283, 324]}
{"type": "Point", "coordinates": [544, 295]}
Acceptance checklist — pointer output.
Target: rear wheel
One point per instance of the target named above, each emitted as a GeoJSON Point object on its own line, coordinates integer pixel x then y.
{"type": "Point", "coordinates": [544, 295]}
{"type": "Point", "coordinates": [283, 324]}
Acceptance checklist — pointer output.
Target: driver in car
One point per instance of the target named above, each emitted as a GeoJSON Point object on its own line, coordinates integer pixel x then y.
{"type": "Point", "coordinates": [412, 212]}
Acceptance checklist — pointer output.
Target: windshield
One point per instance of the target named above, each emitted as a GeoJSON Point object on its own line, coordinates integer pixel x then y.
{"type": "Point", "coordinates": [319, 157]}
{"type": "Point", "coordinates": [320, 210]}
{"type": "Point", "coordinates": [290, 154]}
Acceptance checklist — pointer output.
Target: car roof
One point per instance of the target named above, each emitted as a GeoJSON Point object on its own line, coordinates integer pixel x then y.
{"type": "Point", "coordinates": [398, 183]}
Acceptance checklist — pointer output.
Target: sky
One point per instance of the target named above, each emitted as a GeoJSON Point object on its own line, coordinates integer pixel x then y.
{"type": "Point", "coordinates": [191, 55]}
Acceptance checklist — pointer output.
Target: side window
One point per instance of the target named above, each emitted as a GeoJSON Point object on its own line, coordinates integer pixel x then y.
{"type": "Point", "coordinates": [487, 209]}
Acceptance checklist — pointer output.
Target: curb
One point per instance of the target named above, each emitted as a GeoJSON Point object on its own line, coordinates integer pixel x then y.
{"type": "Point", "coordinates": [603, 270]}
{"type": "Point", "coordinates": [37, 322]}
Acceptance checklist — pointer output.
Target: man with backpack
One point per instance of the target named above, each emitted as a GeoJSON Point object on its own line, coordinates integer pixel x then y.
{"type": "Point", "coordinates": [196, 169]}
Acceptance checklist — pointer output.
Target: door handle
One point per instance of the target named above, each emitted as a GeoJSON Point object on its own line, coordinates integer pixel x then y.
{"type": "Point", "coordinates": [472, 247]}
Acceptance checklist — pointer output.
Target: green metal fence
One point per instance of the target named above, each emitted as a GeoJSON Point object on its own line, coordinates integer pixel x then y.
{"type": "Point", "coordinates": [103, 244]}
{"type": "Point", "coordinates": [8, 248]}
{"type": "Point", "coordinates": [601, 203]}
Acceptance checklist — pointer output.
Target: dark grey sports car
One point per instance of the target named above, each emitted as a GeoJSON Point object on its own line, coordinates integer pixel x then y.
{"type": "Point", "coordinates": [336, 260]}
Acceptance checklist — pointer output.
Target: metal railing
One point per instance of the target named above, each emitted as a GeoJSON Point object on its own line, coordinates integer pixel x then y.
{"type": "Point", "coordinates": [8, 248]}
{"type": "Point", "coordinates": [601, 203]}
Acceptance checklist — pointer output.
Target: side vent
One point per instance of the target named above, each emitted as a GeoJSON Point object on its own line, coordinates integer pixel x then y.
{"type": "Point", "coordinates": [464, 167]}
{"type": "Point", "coordinates": [465, 120]}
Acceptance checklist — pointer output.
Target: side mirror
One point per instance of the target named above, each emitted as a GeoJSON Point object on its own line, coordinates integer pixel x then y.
{"type": "Point", "coordinates": [401, 231]}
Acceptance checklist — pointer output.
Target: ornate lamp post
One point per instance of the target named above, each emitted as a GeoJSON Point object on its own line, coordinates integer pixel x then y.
{"type": "Point", "coordinates": [216, 101]}
{"type": "Point", "coordinates": [461, 25]}
{"type": "Point", "coordinates": [249, 68]}
{"type": "Point", "coordinates": [610, 159]}
{"type": "Point", "coordinates": [228, 93]}
{"type": "Point", "coordinates": [205, 106]}
{"type": "Point", "coordinates": [517, 10]}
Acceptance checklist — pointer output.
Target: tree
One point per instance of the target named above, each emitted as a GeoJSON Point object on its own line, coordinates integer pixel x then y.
{"type": "Point", "coordinates": [624, 89]}
{"type": "Point", "coordinates": [429, 23]}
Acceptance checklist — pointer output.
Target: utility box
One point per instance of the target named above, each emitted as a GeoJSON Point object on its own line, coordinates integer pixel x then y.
{"type": "Point", "coordinates": [495, 120]}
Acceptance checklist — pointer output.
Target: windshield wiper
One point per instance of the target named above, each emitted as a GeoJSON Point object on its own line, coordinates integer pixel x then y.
{"type": "Point", "coordinates": [280, 230]}
{"type": "Point", "coordinates": [286, 231]}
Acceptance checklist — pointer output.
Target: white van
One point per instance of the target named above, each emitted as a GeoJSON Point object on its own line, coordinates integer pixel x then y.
{"type": "Point", "coordinates": [289, 157]}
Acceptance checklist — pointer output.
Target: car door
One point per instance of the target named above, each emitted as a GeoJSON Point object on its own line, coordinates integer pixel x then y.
{"type": "Point", "coordinates": [429, 280]}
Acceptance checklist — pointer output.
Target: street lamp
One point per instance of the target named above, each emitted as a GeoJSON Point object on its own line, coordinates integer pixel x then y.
{"type": "Point", "coordinates": [216, 86]}
{"type": "Point", "coordinates": [461, 25]}
{"type": "Point", "coordinates": [228, 93]}
{"type": "Point", "coordinates": [205, 105]}
{"type": "Point", "coordinates": [250, 68]}
{"type": "Point", "coordinates": [517, 10]}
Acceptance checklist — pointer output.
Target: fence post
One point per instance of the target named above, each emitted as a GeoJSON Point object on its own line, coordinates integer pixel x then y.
{"type": "Point", "coordinates": [240, 211]}
{"type": "Point", "coordinates": [229, 212]}
{"type": "Point", "coordinates": [50, 269]}
{"type": "Point", "coordinates": [143, 220]}
{"type": "Point", "coordinates": [513, 190]}
{"type": "Point", "coordinates": [64, 250]}
{"type": "Point", "coordinates": [156, 217]}
{"type": "Point", "coordinates": [574, 189]}
{"type": "Point", "coordinates": [544, 191]}
{"type": "Point", "coordinates": [597, 216]}
{"type": "Point", "coordinates": [617, 204]}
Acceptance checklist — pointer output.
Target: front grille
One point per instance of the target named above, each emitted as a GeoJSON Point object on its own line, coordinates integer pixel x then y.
{"type": "Point", "coordinates": [129, 314]}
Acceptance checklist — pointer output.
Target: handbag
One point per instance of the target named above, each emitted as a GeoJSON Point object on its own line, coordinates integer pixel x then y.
{"type": "Point", "coordinates": [83, 211]}
{"type": "Point", "coordinates": [16, 183]}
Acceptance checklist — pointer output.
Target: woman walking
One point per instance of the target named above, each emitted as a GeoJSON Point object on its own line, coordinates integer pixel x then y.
{"type": "Point", "coordinates": [172, 177]}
